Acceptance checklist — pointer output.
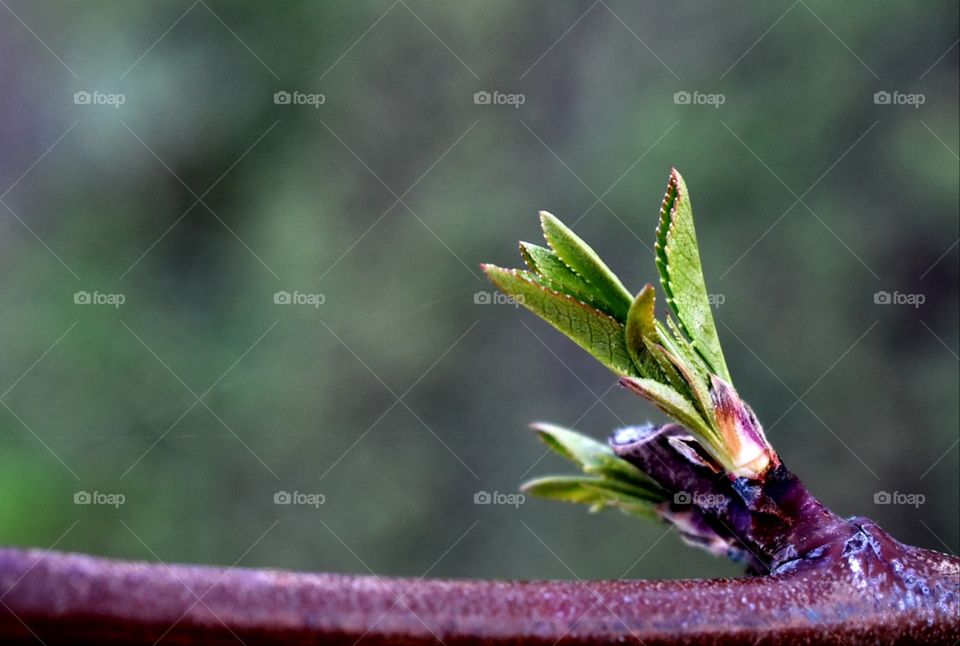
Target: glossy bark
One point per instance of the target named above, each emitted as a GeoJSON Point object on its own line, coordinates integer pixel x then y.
{"type": "Point", "coordinates": [866, 590]}
{"type": "Point", "coordinates": [821, 579]}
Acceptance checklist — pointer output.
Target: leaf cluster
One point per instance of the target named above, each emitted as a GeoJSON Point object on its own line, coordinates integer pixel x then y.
{"type": "Point", "coordinates": [608, 481]}
{"type": "Point", "coordinates": [675, 363]}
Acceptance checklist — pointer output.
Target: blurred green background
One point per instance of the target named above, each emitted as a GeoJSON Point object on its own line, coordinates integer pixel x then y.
{"type": "Point", "coordinates": [399, 398]}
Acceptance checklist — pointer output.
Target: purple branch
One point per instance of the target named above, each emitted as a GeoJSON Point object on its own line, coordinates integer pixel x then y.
{"type": "Point", "coordinates": [868, 590]}
{"type": "Point", "coordinates": [827, 580]}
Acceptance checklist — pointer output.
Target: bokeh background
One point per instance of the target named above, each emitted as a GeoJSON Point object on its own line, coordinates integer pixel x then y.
{"type": "Point", "coordinates": [400, 397]}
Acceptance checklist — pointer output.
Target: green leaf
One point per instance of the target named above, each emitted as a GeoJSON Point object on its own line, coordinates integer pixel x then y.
{"type": "Point", "coordinates": [681, 274]}
{"type": "Point", "coordinates": [675, 405]}
{"type": "Point", "coordinates": [557, 276]}
{"type": "Point", "coordinates": [576, 447]}
{"type": "Point", "coordinates": [584, 262]}
{"type": "Point", "coordinates": [641, 334]}
{"type": "Point", "coordinates": [675, 363]}
{"type": "Point", "coordinates": [596, 332]}
{"type": "Point", "coordinates": [683, 349]}
{"type": "Point", "coordinates": [610, 481]}
{"type": "Point", "coordinates": [698, 387]}
{"type": "Point", "coordinates": [593, 457]}
{"type": "Point", "coordinates": [645, 342]}
{"type": "Point", "coordinates": [665, 359]}
{"type": "Point", "coordinates": [595, 492]}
